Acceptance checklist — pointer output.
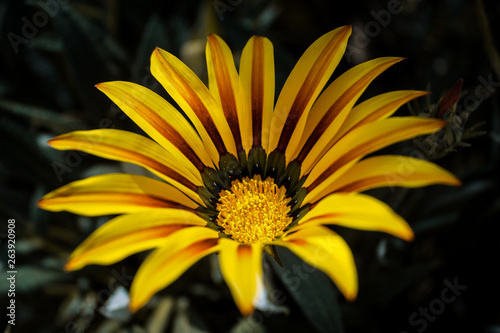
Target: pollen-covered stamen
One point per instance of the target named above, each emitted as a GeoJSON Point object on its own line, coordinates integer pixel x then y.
{"type": "Point", "coordinates": [253, 210]}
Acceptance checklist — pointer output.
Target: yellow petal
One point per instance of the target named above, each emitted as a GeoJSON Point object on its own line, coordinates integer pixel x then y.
{"type": "Point", "coordinates": [322, 189]}
{"type": "Point", "coordinates": [324, 249]}
{"type": "Point", "coordinates": [196, 101]}
{"type": "Point", "coordinates": [133, 148]}
{"type": "Point", "coordinates": [161, 121]}
{"type": "Point", "coordinates": [358, 211]}
{"type": "Point", "coordinates": [364, 140]}
{"type": "Point", "coordinates": [167, 263]}
{"type": "Point", "coordinates": [304, 84]}
{"type": "Point", "coordinates": [333, 105]}
{"type": "Point", "coordinates": [375, 108]}
{"type": "Point", "coordinates": [257, 80]}
{"type": "Point", "coordinates": [224, 85]}
{"type": "Point", "coordinates": [129, 234]}
{"type": "Point", "coordinates": [241, 267]}
{"type": "Point", "coordinates": [389, 171]}
{"type": "Point", "coordinates": [115, 194]}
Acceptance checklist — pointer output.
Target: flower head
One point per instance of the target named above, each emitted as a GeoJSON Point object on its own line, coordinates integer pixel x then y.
{"type": "Point", "coordinates": [242, 174]}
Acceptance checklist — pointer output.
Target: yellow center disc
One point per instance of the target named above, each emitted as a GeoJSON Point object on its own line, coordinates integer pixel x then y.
{"type": "Point", "coordinates": [253, 210]}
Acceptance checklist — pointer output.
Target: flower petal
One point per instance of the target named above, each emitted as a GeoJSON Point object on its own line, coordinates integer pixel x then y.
{"type": "Point", "coordinates": [161, 121]}
{"type": "Point", "coordinates": [324, 249]}
{"type": "Point", "coordinates": [196, 101]}
{"type": "Point", "coordinates": [333, 105]}
{"type": "Point", "coordinates": [224, 85]}
{"type": "Point", "coordinates": [167, 263]}
{"type": "Point", "coordinates": [129, 234]}
{"type": "Point", "coordinates": [241, 267]}
{"type": "Point", "coordinates": [358, 211]}
{"type": "Point", "coordinates": [362, 141]}
{"type": "Point", "coordinates": [304, 84]}
{"type": "Point", "coordinates": [257, 80]}
{"type": "Point", "coordinates": [376, 108]}
{"type": "Point", "coordinates": [133, 148]}
{"type": "Point", "coordinates": [115, 194]}
{"type": "Point", "coordinates": [388, 171]}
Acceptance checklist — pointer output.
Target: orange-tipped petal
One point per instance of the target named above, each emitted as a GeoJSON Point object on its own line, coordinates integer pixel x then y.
{"type": "Point", "coordinates": [362, 141]}
{"type": "Point", "coordinates": [241, 267]}
{"type": "Point", "coordinates": [357, 211]}
{"type": "Point", "coordinates": [161, 121]}
{"type": "Point", "coordinates": [115, 194]}
{"type": "Point", "coordinates": [224, 84]}
{"type": "Point", "coordinates": [389, 171]}
{"type": "Point", "coordinates": [129, 234]}
{"type": "Point", "coordinates": [303, 86]}
{"type": "Point", "coordinates": [196, 101]}
{"type": "Point", "coordinates": [324, 249]}
{"type": "Point", "coordinates": [167, 263]}
{"type": "Point", "coordinates": [133, 148]}
{"type": "Point", "coordinates": [379, 107]}
{"type": "Point", "coordinates": [333, 105]}
{"type": "Point", "coordinates": [257, 81]}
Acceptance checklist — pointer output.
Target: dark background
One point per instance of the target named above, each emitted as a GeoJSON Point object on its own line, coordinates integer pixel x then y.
{"type": "Point", "coordinates": [52, 55]}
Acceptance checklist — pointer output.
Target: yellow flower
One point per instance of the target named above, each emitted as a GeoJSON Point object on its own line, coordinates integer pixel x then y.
{"type": "Point", "coordinates": [242, 175]}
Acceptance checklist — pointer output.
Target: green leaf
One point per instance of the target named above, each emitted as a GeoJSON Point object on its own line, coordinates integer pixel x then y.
{"type": "Point", "coordinates": [313, 291]}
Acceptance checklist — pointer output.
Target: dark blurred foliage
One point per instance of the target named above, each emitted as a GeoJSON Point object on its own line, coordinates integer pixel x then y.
{"type": "Point", "coordinates": [51, 57]}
